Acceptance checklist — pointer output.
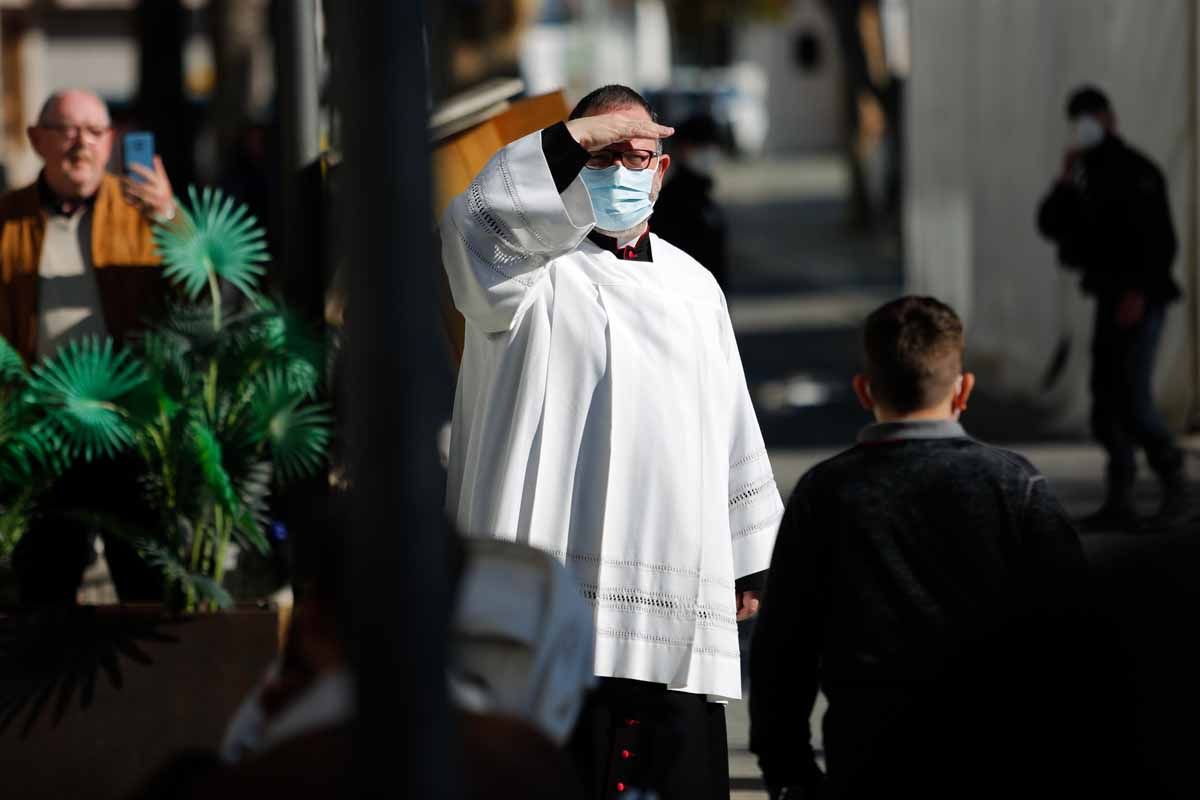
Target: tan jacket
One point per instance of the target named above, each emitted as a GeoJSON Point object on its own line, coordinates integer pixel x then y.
{"type": "Point", "coordinates": [123, 254]}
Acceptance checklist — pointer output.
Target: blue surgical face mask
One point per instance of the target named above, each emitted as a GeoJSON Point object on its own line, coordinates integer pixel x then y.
{"type": "Point", "coordinates": [620, 196]}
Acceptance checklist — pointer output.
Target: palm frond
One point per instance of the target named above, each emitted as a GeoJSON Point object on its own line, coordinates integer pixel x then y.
{"type": "Point", "coordinates": [209, 456]}
{"type": "Point", "coordinates": [274, 339]}
{"type": "Point", "coordinates": [167, 356]}
{"type": "Point", "coordinates": [304, 350]}
{"type": "Point", "coordinates": [174, 570]}
{"type": "Point", "coordinates": [33, 454]}
{"type": "Point", "coordinates": [14, 515]}
{"type": "Point", "coordinates": [254, 489]}
{"type": "Point", "coordinates": [12, 367]}
{"type": "Point", "coordinates": [297, 434]}
{"type": "Point", "coordinates": [214, 237]}
{"type": "Point", "coordinates": [80, 391]}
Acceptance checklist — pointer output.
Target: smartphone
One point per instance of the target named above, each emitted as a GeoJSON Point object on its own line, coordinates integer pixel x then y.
{"type": "Point", "coordinates": [138, 149]}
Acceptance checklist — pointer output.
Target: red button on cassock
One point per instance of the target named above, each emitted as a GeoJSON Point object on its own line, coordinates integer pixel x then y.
{"type": "Point", "coordinates": [626, 754]}
{"type": "Point", "coordinates": [620, 787]}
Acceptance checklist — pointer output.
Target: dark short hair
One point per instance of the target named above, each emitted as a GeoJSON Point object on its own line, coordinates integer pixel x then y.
{"type": "Point", "coordinates": [1087, 100]}
{"type": "Point", "coordinates": [913, 350]}
{"type": "Point", "coordinates": [610, 98]}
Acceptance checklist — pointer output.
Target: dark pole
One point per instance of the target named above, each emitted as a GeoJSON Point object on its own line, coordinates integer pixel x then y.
{"type": "Point", "coordinates": [161, 105]}
{"type": "Point", "coordinates": [399, 587]}
{"type": "Point", "coordinates": [294, 22]}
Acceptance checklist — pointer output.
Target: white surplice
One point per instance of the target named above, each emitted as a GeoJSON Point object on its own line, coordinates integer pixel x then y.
{"type": "Point", "coordinates": [602, 415]}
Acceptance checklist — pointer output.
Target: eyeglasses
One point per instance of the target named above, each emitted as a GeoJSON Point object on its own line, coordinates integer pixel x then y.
{"type": "Point", "coordinates": [632, 159]}
{"type": "Point", "coordinates": [71, 131]}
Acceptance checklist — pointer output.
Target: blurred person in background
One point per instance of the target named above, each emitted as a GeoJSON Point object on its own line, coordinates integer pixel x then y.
{"type": "Point", "coordinates": [873, 38]}
{"type": "Point", "coordinates": [686, 214]}
{"type": "Point", "coordinates": [1109, 214]}
{"type": "Point", "coordinates": [602, 415]}
{"type": "Point", "coordinates": [77, 260]}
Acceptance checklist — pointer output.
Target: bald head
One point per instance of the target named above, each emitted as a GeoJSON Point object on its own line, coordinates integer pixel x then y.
{"type": "Point", "coordinates": [73, 103]}
{"type": "Point", "coordinates": [73, 136]}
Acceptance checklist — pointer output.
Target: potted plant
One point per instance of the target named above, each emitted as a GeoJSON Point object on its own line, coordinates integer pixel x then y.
{"type": "Point", "coordinates": [221, 405]}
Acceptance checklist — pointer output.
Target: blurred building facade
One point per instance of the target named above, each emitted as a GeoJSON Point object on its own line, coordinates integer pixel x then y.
{"type": "Point", "coordinates": [770, 70]}
{"type": "Point", "coordinates": [986, 134]}
{"type": "Point", "coordinates": [798, 57]}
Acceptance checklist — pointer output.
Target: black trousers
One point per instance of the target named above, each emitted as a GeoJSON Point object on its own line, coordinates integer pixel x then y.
{"type": "Point", "coordinates": [57, 547]}
{"type": "Point", "coordinates": [1123, 412]}
{"type": "Point", "coordinates": [634, 735]}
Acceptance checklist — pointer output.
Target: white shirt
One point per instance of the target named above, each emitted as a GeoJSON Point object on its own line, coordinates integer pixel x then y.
{"type": "Point", "coordinates": [602, 416]}
{"type": "Point", "coordinates": [68, 296]}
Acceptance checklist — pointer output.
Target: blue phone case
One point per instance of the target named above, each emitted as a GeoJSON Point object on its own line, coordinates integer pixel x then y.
{"type": "Point", "coordinates": [138, 149]}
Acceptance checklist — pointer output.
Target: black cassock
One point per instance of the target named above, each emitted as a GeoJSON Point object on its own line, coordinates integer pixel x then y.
{"type": "Point", "coordinates": [634, 735]}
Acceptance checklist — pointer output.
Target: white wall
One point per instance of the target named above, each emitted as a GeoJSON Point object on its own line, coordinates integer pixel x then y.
{"type": "Point", "coordinates": [805, 109]}
{"type": "Point", "coordinates": [987, 130]}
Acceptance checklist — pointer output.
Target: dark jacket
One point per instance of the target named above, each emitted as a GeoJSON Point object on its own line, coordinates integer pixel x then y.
{"type": "Point", "coordinates": [1112, 221]}
{"type": "Point", "coordinates": [687, 217]}
{"type": "Point", "coordinates": [893, 559]}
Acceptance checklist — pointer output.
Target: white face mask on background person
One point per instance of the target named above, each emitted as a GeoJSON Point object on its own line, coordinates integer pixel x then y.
{"type": "Point", "coordinates": [1086, 131]}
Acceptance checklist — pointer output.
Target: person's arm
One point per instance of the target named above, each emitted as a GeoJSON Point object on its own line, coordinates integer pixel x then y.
{"type": "Point", "coordinates": [1157, 244]}
{"type": "Point", "coordinates": [785, 653]}
{"type": "Point", "coordinates": [498, 235]}
{"type": "Point", "coordinates": [1142, 270]}
{"type": "Point", "coordinates": [564, 155]}
{"type": "Point", "coordinates": [516, 215]}
{"type": "Point", "coordinates": [1059, 213]}
{"type": "Point", "coordinates": [1055, 567]}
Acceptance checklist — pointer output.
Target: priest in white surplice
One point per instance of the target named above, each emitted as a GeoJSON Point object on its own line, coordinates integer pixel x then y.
{"type": "Point", "coordinates": [602, 415]}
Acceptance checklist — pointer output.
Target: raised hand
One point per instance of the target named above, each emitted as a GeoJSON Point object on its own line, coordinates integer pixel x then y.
{"type": "Point", "coordinates": [153, 193]}
{"type": "Point", "coordinates": [598, 132]}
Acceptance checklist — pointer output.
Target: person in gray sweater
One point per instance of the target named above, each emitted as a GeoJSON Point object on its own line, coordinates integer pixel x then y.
{"type": "Point", "coordinates": [911, 563]}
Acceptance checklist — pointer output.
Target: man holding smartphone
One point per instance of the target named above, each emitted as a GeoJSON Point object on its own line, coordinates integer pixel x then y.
{"type": "Point", "coordinates": [1109, 214]}
{"type": "Point", "coordinates": [77, 259]}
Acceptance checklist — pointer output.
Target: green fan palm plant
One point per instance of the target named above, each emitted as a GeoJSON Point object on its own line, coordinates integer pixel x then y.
{"type": "Point", "coordinates": [221, 407]}
{"type": "Point", "coordinates": [236, 410]}
{"type": "Point", "coordinates": [76, 405]}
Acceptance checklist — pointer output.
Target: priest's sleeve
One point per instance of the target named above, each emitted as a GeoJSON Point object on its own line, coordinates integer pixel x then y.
{"type": "Point", "coordinates": [754, 505]}
{"type": "Point", "coordinates": [785, 652]}
{"type": "Point", "coordinates": [499, 235]}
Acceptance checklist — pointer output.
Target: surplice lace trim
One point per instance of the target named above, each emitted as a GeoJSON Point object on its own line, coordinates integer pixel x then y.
{"type": "Point", "coordinates": [480, 210]}
{"type": "Point", "coordinates": [667, 641]}
{"type": "Point", "coordinates": [499, 257]}
{"type": "Point", "coordinates": [744, 460]}
{"type": "Point", "coordinates": [660, 604]}
{"type": "Point", "coordinates": [669, 569]}
{"type": "Point", "coordinates": [747, 493]}
{"type": "Point", "coordinates": [510, 186]}
{"type": "Point", "coordinates": [502, 254]}
{"type": "Point", "coordinates": [758, 527]}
